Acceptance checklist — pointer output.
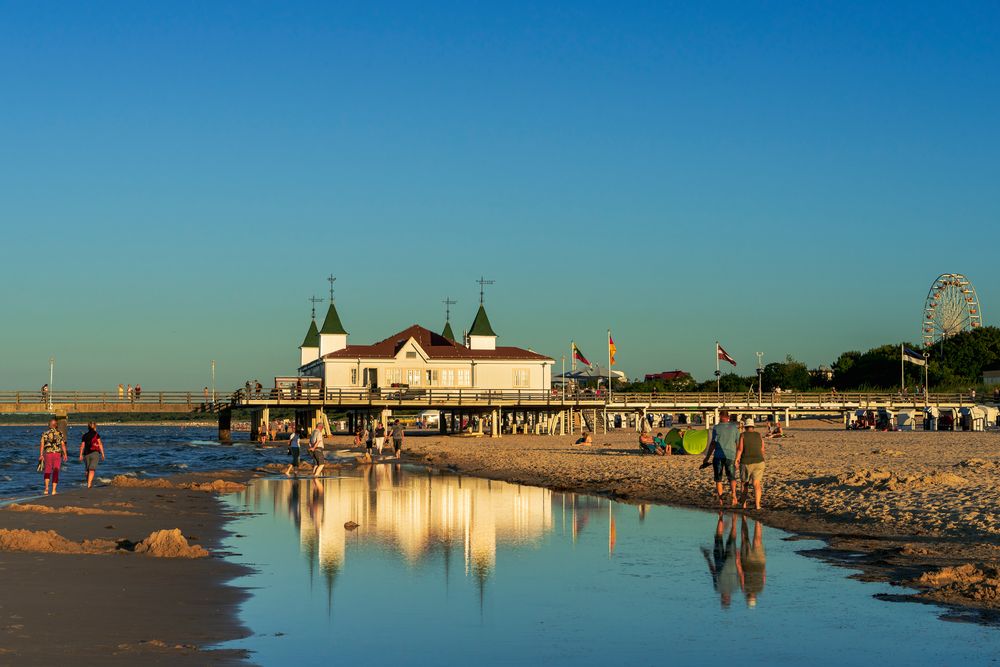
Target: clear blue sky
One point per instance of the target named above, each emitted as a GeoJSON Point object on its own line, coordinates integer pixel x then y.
{"type": "Point", "coordinates": [177, 178]}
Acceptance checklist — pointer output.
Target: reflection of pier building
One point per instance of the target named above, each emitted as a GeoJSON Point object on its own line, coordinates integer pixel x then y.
{"type": "Point", "coordinates": [413, 514]}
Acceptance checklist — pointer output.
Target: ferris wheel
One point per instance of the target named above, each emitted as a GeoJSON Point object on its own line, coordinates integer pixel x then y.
{"type": "Point", "coordinates": [951, 307]}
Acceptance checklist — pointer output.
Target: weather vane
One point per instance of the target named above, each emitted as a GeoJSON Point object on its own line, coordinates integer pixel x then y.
{"type": "Point", "coordinates": [330, 279]}
{"type": "Point", "coordinates": [483, 282]}
{"type": "Point", "coordinates": [448, 303]}
{"type": "Point", "coordinates": [314, 302]}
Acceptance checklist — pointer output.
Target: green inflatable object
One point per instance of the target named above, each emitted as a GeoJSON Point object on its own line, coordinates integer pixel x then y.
{"type": "Point", "coordinates": [674, 440]}
{"type": "Point", "coordinates": [695, 441]}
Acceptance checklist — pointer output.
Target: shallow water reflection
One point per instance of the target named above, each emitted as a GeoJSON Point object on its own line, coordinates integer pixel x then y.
{"type": "Point", "coordinates": [453, 569]}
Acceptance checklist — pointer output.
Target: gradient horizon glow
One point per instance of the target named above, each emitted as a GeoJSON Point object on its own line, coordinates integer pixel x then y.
{"type": "Point", "coordinates": [178, 178]}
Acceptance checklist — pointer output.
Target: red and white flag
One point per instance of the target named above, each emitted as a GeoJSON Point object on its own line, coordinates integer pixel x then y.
{"type": "Point", "coordinates": [723, 355]}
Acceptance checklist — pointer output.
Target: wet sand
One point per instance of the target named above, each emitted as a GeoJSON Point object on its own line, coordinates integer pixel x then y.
{"type": "Point", "coordinates": [98, 591]}
{"type": "Point", "coordinates": [906, 507]}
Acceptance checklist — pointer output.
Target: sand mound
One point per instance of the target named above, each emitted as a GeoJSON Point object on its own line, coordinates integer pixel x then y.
{"type": "Point", "coordinates": [980, 583]}
{"type": "Point", "coordinates": [126, 482]}
{"type": "Point", "coordinates": [69, 509]}
{"type": "Point", "coordinates": [49, 541]}
{"type": "Point", "coordinates": [169, 544]}
{"type": "Point", "coordinates": [885, 480]}
{"type": "Point", "coordinates": [218, 486]}
{"type": "Point", "coordinates": [979, 464]}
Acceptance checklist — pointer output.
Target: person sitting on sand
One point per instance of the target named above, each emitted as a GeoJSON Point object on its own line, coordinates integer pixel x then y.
{"type": "Point", "coordinates": [723, 442]}
{"type": "Point", "coordinates": [647, 443]}
{"type": "Point", "coordinates": [774, 429]}
{"type": "Point", "coordinates": [750, 458]}
{"type": "Point", "coordinates": [316, 449]}
{"type": "Point", "coordinates": [293, 450]}
{"type": "Point", "coordinates": [587, 439]}
{"type": "Point", "coordinates": [91, 451]}
{"type": "Point", "coordinates": [663, 448]}
{"type": "Point", "coordinates": [52, 452]}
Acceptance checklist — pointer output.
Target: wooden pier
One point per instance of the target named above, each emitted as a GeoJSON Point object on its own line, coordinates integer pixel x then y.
{"type": "Point", "coordinates": [548, 412]}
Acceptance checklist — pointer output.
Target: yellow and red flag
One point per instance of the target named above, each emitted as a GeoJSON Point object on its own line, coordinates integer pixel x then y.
{"type": "Point", "coordinates": [611, 350]}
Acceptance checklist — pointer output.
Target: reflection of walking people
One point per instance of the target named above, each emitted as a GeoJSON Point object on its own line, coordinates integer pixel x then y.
{"type": "Point", "coordinates": [753, 561]}
{"type": "Point", "coordinates": [724, 563]}
{"type": "Point", "coordinates": [52, 452]}
{"type": "Point", "coordinates": [91, 451]}
{"type": "Point", "coordinates": [316, 449]}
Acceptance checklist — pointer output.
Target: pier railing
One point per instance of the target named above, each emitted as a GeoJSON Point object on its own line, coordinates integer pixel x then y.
{"type": "Point", "coordinates": [195, 400]}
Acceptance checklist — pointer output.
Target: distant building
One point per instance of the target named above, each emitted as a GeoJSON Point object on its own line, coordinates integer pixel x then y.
{"type": "Point", "coordinates": [824, 373]}
{"type": "Point", "coordinates": [418, 357]}
{"type": "Point", "coordinates": [991, 377]}
{"type": "Point", "coordinates": [668, 376]}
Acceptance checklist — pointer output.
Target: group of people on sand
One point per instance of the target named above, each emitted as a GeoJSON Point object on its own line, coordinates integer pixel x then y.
{"type": "Point", "coordinates": [738, 457]}
{"type": "Point", "coordinates": [52, 453]}
{"type": "Point", "coordinates": [373, 439]}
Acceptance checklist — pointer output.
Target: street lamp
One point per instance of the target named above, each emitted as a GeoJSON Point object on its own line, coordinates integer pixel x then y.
{"type": "Point", "coordinates": [213, 380]}
{"type": "Point", "coordinates": [52, 367]}
{"type": "Point", "coordinates": [760, 377]}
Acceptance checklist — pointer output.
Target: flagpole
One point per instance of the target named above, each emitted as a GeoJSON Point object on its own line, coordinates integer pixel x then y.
{"type": "Point", "coordinates": [902, 369]}
{"type": "Point", "coordinates": [609, 365]}
{"type": "Point", "coordinates": [718, 373]}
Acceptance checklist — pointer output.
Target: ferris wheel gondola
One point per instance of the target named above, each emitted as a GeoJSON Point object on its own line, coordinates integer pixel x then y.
{"type": "Point", "coordinates": [951, 307]}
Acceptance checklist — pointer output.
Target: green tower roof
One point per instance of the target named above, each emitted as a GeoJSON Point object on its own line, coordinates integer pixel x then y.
{"type": "Point", "coordinates": [332, 325]}
{"type": "Point", "coordinates": [312, 336]}
{"type": "Point", "coordinates": [448, 333]}
{"type": "Point", "coordinates": [481, 325]}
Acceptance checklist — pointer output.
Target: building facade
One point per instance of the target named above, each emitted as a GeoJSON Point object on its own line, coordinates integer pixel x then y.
{"type": "Point", "coordinates": [419, 358]}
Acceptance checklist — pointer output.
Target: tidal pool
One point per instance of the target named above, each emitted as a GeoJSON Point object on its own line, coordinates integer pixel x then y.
{"type": "Point", "coordinates": [449, 570]}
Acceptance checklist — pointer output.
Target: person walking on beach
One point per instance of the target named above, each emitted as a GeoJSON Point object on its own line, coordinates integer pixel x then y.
{"type": "Point", "coordinates": [316, 449]}
{"type": "Point", "coordinates": [52, 452]}
{"type": "Point", "coordinates": [91, 451]}
{"type": "Point", "coordinates": [398, 434]}
{"type": "Point", "coordinates": [293, 451]}
{"type": "Point", "coordinates": [722, 450]}
{"type": "Point", "coordinates": [379, 437]}
{"type": "Point", "coordinates": [750, 458]}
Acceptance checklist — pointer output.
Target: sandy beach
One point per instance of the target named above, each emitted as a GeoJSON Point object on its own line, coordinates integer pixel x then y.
{"type": "Point", "coordinates": [89, 579]}
{"type": "Point", "coordinates": [906, 507]}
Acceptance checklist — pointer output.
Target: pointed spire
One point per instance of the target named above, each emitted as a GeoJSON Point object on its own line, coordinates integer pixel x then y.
{"type": "Point", "coordinates": [332, 324]}
{"type": "Point", "coordinates": [481, 325]}
{"type": "Point", "coordinates": [448, 333]}
{"type": "Point", "coordinates": [312, 336]}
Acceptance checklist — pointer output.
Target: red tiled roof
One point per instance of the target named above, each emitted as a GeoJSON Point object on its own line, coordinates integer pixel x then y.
{"type": "Point", "coordinates": [668, 375]}
{"type": "Point", "coordinates": [435, 345]}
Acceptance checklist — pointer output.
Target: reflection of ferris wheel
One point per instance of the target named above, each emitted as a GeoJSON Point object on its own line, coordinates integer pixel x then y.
{"type": "Point", "coordinates": [951, 307]}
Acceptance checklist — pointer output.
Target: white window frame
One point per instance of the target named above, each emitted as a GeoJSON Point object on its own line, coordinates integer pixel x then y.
{"type": "Point", "coordinates": [463, 377]}
{"type": "Point", "coordinates": [521, 378]}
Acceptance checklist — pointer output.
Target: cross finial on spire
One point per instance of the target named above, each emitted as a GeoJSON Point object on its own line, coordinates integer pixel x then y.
{"type": "Point", "coordinates": [330, 279]}
{"type": "Point", "coordinates": [448, 303]}
{"type": "Point", "coordinates": [483, 282]}
{"type": "Point", "coordinates": [314, 301]}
